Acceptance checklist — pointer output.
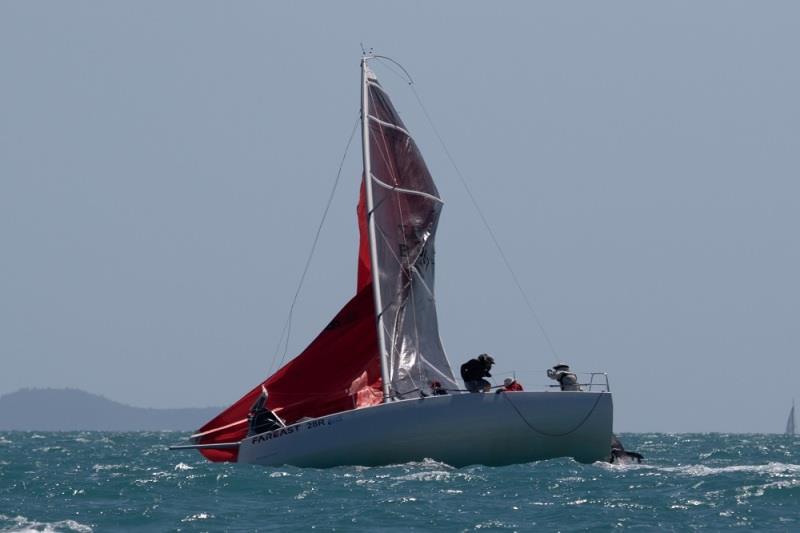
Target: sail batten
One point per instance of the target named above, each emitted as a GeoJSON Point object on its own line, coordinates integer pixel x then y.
{"type": "Point", "coordinates": [390, 125]}
{"type": "Point", "coordinates": [395, 188]}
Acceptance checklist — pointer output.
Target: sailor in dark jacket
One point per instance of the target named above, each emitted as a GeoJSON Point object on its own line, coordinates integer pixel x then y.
{"type": "Point", "coordinates": [473, 372]}
{"type": "Point", "coordinates": [260, 418]}
{"type": "Point", "coordinates": [621, 456]}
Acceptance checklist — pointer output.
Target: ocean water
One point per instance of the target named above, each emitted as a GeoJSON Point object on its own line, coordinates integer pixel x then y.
{"type": "Point", "coordinates": [90, 481]}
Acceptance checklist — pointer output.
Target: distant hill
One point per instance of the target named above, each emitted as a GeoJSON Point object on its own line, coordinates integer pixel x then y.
{"type": "Point", "coordinates": [73, 409]}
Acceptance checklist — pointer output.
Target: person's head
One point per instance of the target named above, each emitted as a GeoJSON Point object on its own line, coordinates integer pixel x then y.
{"type": "Point", "coordinates": [486, 359]}
{"type": "Point", "coordinates": [507, 382]}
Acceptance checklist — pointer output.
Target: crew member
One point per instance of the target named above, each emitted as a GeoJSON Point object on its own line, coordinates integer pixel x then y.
{"type": "Point", "coordinates": [619, 455]}
{"type": "Point", "coordinates": [510, 385]}
{"type": "Point", "coordinates": [261, 419]}
{"type": "Point", "coordinates": [437, 389]}
{"type": "Point", "coordinates": [473, 372]}
{"type": "Point", "coordinates": [565, 377]}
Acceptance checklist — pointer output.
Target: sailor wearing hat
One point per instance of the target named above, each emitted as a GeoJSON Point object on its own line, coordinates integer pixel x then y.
{"type": "Point", "coordinates": [566, 378]}
{"type": "Point", "coordinates": [473, 372]}
{"type": "Point", "coordinates": [510, 385]}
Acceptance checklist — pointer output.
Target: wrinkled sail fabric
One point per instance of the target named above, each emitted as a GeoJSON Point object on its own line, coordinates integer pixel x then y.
{"type": "Point", "coordinates": [339, 371]}
{"type": "Point", "coordinates": [406, 207]}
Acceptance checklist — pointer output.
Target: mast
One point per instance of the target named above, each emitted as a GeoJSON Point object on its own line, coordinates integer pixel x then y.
{"type": "Point", "coordinates": [371, 223]}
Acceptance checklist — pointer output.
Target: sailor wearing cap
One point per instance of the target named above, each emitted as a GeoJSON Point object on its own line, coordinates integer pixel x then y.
{"type": "Point", "coordinates": [510, 385]}
{"type": "Point", "coordinates": [473, 372]}
{"type": "Point", "coordinates": [566, 378]}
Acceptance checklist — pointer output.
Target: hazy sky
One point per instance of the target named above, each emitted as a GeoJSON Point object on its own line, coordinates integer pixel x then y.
{"type": "Point", "coordinates": [164, 166]}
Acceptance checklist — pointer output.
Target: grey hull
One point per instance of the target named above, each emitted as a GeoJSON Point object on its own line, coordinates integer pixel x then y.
{"type": "Point", "coordinates": [460, 430]}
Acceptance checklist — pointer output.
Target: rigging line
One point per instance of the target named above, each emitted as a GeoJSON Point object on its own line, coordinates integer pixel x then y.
{"type": "Point", "coordinates": [388, 62]}
{"type": "Point", "coordinates": [287, 327]}
{"type": "Point", "coordinates": [545, 433]}
{"type": "Point", "coordinates": [486, 224]}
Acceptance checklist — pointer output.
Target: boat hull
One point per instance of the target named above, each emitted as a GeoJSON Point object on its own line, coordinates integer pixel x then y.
{"type": "Point", "coordinates": [459, 429]}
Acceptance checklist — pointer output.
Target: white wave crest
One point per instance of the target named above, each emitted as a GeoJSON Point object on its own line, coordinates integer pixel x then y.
{"type": "Point", "coordinates": [197, 516]}
{"type": "Point", "coordinates": [769, 469]}
{"type": "Point", "coordinates": [756, 491]}
{"type": "Point", "coordinates": [436, 475]}
{"type": "Point", "coordinates": [22, 524]}
{"type": "Point", "coordinates": [702, 470]}
{"type": "Point", "coordinates": [99, 467]}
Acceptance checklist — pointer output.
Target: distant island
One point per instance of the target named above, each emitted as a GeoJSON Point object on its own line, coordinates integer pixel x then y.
{"type": "Point", "coordinates": [74, 410]}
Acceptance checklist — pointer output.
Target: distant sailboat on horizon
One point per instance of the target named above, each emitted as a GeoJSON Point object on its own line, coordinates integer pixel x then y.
{"type": "Point", "coordinates": [790, 425]}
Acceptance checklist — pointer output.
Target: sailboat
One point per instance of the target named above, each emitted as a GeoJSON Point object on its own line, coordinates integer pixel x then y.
{"type": "Point", "coordinates": [790, 421]}
{"type": "Point", "coordinates": [375, 386]}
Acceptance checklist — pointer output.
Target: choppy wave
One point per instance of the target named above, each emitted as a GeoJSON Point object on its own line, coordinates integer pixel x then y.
{"type": "Point", "coordinates": [20, 524]}
{"type": "Point", "coordinates": [80, 482]}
